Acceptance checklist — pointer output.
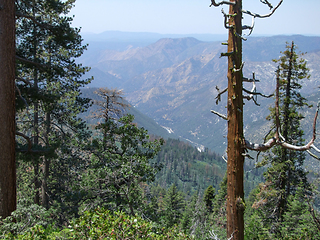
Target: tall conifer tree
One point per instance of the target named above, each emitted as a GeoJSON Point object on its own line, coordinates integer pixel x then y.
{"type": "Point", "coordinates": [286, 170]}
{"type": "Point", "coordinates": [49, 81]}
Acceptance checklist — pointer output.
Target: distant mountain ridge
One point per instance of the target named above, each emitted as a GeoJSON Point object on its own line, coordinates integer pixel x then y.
{"type": "Point", "coordinates": [111, 36]}
{"type": "Point", "coordinates": [174, 81]}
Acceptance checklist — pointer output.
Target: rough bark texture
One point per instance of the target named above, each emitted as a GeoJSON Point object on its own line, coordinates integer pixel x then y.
{"type": "Point", "coordinates": [46, 167]}
{"type": "Point", "coordinates": [7, 108]}
{"type": "Point", "coordinates": [235, 204]}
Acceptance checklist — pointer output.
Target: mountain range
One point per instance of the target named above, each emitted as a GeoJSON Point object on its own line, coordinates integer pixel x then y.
{"type": "Point", "coordinates": [174, 81]}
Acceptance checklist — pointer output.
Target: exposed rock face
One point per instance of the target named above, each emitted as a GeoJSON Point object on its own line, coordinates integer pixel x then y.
{"type": "Point", "coordinates": [174, 81]}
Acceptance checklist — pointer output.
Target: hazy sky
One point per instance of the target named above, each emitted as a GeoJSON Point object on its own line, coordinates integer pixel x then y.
{"type": "Point", "coordinates": [192, 16]}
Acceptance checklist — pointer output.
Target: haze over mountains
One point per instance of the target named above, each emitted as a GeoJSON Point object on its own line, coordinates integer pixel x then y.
{"type": "Point", "coordinates": [173, 80]}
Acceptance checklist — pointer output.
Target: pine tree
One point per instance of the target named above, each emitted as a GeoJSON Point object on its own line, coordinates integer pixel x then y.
{"type": "Point", "coordinates": [173, 206]}
{"type": "Point", "coordinates": [208, 198]}
{"type": "Point", "coordinates": [120, 160]}
{"type": "Point", "coordinates": [297, 220]}
{"type": "Point", "coordinates": [286, 170]}
{"type": "Point", "coordinates": [186, 220]}
{"type": "Point", "coordinates": [49, 101]}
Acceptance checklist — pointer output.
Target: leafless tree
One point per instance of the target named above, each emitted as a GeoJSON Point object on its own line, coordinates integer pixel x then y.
{"type": "Point", "coordinates": [110, 107]}
{"type": "Point", "coordinates": [112, 104]}
{"type": "Point", "coordinates": [236, 146]}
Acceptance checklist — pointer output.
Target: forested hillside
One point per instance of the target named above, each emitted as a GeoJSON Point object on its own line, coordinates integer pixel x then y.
{"type": "Point", "coordinates": [187, 168]}
{"type": "Point", "coordinates": [133, 157]}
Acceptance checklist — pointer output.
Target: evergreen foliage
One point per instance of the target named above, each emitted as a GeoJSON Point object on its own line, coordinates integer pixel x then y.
{"type": "Point", "coordinates": [117, 182]}
{"type": "Point", "coordinates": [190, 170]}
{"type": "Point", "coordinates": [119, 165]}
{"type": "Point", "coordinates": [48, 103]}
{"type": "Point", "coordinates": [173, 206]}
{"type": "Point", "coordinates": [209, 195]}
{"type": "Point", "coordinates": [285, 172]}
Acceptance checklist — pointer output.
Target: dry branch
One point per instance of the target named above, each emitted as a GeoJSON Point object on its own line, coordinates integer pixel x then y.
{"type": "Point", "coordinates": [257, 93]}
{"type": "Point", "coordinates": [267, 3]}
{"type": "Point", "coordinates": [218, 97]}
{"type": "Point", "coordinates": [26, 138]}
{"type": "Point", "coordinates": [226, 22]}
{"type": "Point", "coordinates": [213, 3]}
{"type": "Point", "coordinates": [277, 139]}
{"type": "Point", "coordinates": [262, 16]}
{"type": "Point", "coordinates": [220, 115]}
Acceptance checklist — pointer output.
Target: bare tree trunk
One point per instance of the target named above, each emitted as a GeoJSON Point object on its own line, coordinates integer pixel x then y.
{"type": "Point", "coordinates": [235, 204]}
{"type": "Point", "coordinates": [7, 108]}
{"type": "Point", "coordinates": [236, 141]}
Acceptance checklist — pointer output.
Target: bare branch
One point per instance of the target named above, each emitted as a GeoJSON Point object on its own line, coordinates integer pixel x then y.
{"type": "Point", "coordinates": [267, 2]}
{"type": "Point", "coordinates": [239, 69]}
{"type": "Point", "coordinates": [250, 79]}
{"type": "Point", "coordinates": [253, 91]}
{"type": "Point", "coordinates": [213, 3]}
{"type": "Point", "coordinates": [227, 54]}
{"type": "Point", "coordinates": [249, 27]}
{"type": "Point", "coordinates": [247, 156]}
{"type": "Point", "coordinates": [218, 97]}
{"type": "Point", "coordinates": [30, 150]}
{"type": "Point", "coordinates": [262, 16]}
{"type": "Point", "coordinates": [27, 138]}
{"type": "Point", "coordinates": [257, 93]}
{"type": "Point", "coordinates": [220, 115]}
{"type": "Point", "coordinates": [226, 16]}
{"type": "Point", "coordinates": [260, 147]}
{"type": "Point", "coordinates": [315, 148]}
{"type": "Point", "coordinates": [251, 98]}
{"type": "Point", "coordinates": [240, 36]}
{"type": "Point", "coordinates": [224, 158]}
{"type": "Point", "coordinates": [278, 139]}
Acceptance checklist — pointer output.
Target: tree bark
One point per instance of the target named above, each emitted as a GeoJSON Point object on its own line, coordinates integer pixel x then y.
{"type": "Point", "coordinates": [45, 167]}
{"type": "Point", "coordinates": [44, 185]}
{"type": "Point", "coordinates": [7, 108]}
{"type": "Point", "coordinates": [36, 160]}
{"type": "Point", "coordinates": [235, 202]}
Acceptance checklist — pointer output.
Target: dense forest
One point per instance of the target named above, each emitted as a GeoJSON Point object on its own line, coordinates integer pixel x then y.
{"type": "Point", "coordinates": [86, 170]}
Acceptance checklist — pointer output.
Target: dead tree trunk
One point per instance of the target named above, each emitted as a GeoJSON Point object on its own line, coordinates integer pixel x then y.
{"type": "Point", "coordinates": [235, 204]}
{"type": "Point", "coordinates": [7, 108]}
{"type": "Point", "coordinates": [236, 140]}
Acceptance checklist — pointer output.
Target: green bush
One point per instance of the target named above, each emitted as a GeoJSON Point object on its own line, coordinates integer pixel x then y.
{"type": "Point", "coordinates": [25, 217]}
{"type": "Point", "coordinates": [102, 224]}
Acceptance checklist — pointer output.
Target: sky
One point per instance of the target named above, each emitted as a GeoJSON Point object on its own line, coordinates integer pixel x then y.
{"type": "Point", "coordinates": [192, 16]}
